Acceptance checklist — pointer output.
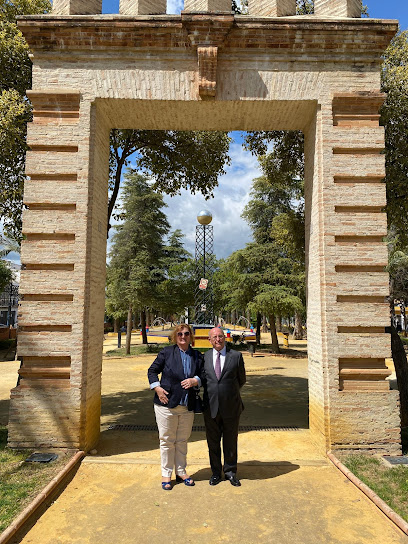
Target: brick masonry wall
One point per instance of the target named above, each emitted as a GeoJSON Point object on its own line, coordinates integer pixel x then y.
{"type": "Point", "coordinates": [264, 75]}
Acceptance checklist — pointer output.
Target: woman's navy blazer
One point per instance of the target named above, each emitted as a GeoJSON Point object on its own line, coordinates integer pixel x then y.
{"type": "Point", "coordinates": [168, 363]}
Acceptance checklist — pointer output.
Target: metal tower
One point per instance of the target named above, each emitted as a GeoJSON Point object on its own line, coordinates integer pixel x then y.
{"type": "Point", "coordinates": [205, 263]}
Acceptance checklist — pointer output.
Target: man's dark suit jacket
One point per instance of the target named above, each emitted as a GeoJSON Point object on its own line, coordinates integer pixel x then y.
{"type": "Point", "coordinates": [224, 395]}
{"type": "Point", "coordinates": [168, 363]}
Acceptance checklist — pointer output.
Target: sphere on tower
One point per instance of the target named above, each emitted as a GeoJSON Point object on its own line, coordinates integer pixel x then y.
{"type": "Point", "coordinates": [204, 217]}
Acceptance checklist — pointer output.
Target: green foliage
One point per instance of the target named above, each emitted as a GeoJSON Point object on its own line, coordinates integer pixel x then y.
{"type": "Point", "coordinates": [6, 275]}
{"type": "Point", "coordinates": [394, 115]}
{"type": "Point", "coordinates": [10, 9]}
{"type": "Point", "coordinates": [9, 245]}
{"type": "Point", "coordinates": [15, 110]}
{"type": "Point", "coordinates": [135, 269]}
{"type": "Point", "coordinates": [14, 114]}
{"type": "Point", "coordinates": [304, 7]}
{"type": "Point", "coordinates": [398, 270]}
{"type": "Point", "coordinates": [176, 291]}
{"type": "Point", "coordinates": [276, 300]}
{"type": "Point", "coordinates": [174, 160]}
{"type": "Point", "coordinates": [247, 271]}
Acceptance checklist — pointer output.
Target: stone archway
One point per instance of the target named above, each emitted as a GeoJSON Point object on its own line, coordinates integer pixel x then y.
{"type": "Point", "coordinates": [207, 71]}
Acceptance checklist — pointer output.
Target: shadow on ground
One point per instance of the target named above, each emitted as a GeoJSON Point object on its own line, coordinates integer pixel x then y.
{"type": "Point", "coordinates": [270, 401]}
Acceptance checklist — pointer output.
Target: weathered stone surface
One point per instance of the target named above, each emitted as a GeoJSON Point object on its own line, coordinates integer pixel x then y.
{"type": "Point", "coordinates": [271, 8]}
{"type": "Point", "coordinates": [213, 6]}
{"type": "Point", "coordinates": [142, 7]}
{"type": "Point", "coordinates": [337, 8]}
{"type": "Point", "coordinates": [76, 7]}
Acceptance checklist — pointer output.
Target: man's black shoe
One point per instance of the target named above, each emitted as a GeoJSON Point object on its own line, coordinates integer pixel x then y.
{"type": "Point", "coordinates": [233, 480]}
{"type": "Point", "coordinates": [214, 480]}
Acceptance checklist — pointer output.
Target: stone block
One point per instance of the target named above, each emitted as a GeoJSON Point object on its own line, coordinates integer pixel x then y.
{"type": "Point", "coordinates": [271, 8]}
{"type": "Point", "coordinates": [207, 5]}
{"type": "Point", "coordinates": [76, 7]}
{"type": "Point", "coordinates": [142, 7]}
{"type": "Point", "coordinates": [337, 8]}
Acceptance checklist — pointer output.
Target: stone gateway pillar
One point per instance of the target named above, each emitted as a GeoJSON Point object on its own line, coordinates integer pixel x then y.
{"type": "Point", "coordinates": [205, 69]}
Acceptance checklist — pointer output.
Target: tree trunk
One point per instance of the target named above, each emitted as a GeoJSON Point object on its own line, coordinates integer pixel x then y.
{"type": "Point", "coordinates": [401, 369]}
{"type": "Point", "coordinates": [298, 331]}
{"type": "Point", "coordinates": [143, 323]}
{"type": "Point", "coordinates": [233, 318]}
{"type": "Point", "coordinates": [116, 325]}
{"type": "Point", "coordinates": [279, 324]}
{"type": "Point", "coordinates": [129, 330]}
{"type": "Point", "coordinates": [258, 328]}
{"type": "Point", "coordinates": [264, 324]}
{"type": "Point", "coordinates": [274, 336]}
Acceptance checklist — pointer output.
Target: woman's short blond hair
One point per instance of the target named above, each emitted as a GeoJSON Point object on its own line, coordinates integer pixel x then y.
{"type": "Point", "coordinates": [179, 328]}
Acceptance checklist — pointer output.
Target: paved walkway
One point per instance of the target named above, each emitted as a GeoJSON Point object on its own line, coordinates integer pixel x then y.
{"type": "Point", "coordinates": [290, 492]}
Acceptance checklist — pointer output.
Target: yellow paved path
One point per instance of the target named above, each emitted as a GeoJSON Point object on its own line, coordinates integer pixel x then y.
{"type": "Point", "coordinates": [290, 493]}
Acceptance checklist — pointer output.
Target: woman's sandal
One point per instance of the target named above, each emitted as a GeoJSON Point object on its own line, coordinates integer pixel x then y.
{"type": "Point", "coordinates": [189, 482]}
{"type": "Point", "coordinates": [167, 486]}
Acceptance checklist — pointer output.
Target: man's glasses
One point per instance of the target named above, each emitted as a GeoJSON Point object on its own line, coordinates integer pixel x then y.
{"type": "Point", "coordinates": [217, 337]}
{"type": "Point", "coordinates": [180, 334]}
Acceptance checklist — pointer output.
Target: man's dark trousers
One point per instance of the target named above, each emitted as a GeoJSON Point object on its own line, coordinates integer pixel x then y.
{"type": "Point", "coordinates": [223, 403]}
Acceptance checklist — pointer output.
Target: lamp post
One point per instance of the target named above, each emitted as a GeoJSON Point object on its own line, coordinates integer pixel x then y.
{"type": "Point", "coordinates": [205, 261]}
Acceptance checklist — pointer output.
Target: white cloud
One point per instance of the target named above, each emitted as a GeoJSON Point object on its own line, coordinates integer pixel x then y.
{"type": "Point", "coordinates": [231, 232]}
{"type": "Point", "coordinates": [175, 6]}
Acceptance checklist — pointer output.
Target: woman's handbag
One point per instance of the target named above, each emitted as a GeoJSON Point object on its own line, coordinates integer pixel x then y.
{"type": "Point", "coordinates": [198, 403]}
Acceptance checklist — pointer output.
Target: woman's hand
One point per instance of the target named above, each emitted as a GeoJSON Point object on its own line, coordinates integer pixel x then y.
{"type": "Point", "coordinates": [189, 382]}
{"type": "Point", "coordinates": [162, 394]}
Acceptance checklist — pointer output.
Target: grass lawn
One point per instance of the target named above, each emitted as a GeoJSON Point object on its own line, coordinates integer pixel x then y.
{"type": "Point", "coordinates": [390, 484]}
{"type": "Point", "coordinates": [21, 482]}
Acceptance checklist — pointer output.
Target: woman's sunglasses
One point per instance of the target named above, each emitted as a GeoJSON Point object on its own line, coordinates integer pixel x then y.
{"type": "Point", "coordinates": [180, 334]}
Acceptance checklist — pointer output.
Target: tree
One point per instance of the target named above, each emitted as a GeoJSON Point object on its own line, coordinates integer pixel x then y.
{"type": "Point", "coordinates": [394, 116]}
{"type": "Point", "coordinates": [273, 300]}
{"type": "Point", "coordinates": [8, 245]}
{"type": "Point", "coordinates": [276, 209]}
{"type": "Point", "coordinates": [15, 110]}
{"type": "Point", "coordinates": [6, 275]}
{"type": "Point", "coordinates": [175, 160]}
{"type": "Point", "coordinates": [250, 272]}
{"type": "Point", "coordinates": [135, 267]}
{"type": "Point", "coordinates": [398, 270]}
{"type": "Point", "coordinates": [176, 291]}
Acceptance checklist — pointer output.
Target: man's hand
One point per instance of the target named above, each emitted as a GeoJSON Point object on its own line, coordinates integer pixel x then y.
{"type": "Point", "coordinates": [189, 382]}
{"type": "Point", "coordinates": [162, 394]}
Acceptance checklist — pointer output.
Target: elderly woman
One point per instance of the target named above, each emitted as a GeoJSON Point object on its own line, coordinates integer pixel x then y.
{"type": "Point", "coordinates": [180, 368]}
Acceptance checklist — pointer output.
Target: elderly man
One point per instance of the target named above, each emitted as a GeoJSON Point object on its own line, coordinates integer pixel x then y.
{"type": "Point", "coordinates": [223, 377]}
